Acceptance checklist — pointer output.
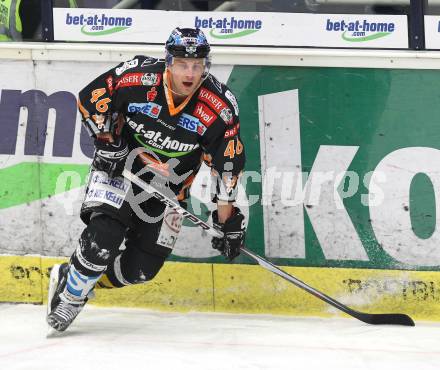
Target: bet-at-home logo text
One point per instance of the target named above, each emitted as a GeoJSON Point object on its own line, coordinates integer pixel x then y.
{"type": "Point", "coordinates": [360, 30]}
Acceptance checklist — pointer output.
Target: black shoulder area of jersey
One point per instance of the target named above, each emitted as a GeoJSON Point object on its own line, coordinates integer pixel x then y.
{"type": "Point", "coordinates": [140, 64]}
{"type": "Point", "coordinates": [211, 83]}
{"type": "Point", "coordinates": [150, 64]}
{"type": "Point", "coordinates": [219, 90]}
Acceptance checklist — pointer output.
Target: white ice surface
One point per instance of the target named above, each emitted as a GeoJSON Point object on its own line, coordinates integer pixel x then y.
{"type": "Point", "coordinates": [133, 339]}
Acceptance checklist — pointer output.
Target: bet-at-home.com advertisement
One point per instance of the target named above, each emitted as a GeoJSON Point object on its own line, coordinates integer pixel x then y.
{"type": "Point", "coordinates": [237, 28]}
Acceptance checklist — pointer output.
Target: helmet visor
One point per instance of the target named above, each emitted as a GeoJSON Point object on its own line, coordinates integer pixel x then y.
{"type": "Point", "coordinates": [185, 67]}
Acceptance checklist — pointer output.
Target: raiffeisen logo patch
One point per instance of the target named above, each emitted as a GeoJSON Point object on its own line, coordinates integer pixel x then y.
{"type": "Point", "coordinates": [99, 25]}
{"type": "Point", "coordinates": [228, 27]}
{"type": "Point", "coordinates": [361, 31]}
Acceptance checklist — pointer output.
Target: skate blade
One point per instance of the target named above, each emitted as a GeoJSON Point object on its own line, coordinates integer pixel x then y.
{"type": "Point", "coordinates": [53, 282]}
{"type": "Point", "coordinates": [51, 332]}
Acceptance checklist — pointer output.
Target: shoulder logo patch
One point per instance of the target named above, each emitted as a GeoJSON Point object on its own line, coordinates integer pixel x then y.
{"type": "Point", "coordinates": [233, 101]}
{"type": "Point", "coordinates": [127, 65]}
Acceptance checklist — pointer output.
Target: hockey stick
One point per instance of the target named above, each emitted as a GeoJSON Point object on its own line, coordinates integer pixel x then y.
{"type": "Point", "coordinates": [369, 318]}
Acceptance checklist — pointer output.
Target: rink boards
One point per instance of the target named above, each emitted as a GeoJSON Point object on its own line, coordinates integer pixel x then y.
{"type": "Point", "coordinates": [342, 180]}
{"type": "Point", "coordinates": [184, 287]}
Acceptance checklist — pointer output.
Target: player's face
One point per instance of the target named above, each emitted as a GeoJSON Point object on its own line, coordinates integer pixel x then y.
{"type": "Point", "coordinates": [186, 74]}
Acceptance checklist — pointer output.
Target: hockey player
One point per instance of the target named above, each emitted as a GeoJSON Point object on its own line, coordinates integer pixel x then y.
{"type": "Point", "coordinates": [175, 115]}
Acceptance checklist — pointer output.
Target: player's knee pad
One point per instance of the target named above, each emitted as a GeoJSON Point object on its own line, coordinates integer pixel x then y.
{"type": "Point", "coordinates": [134, 266]}
{"type": "Point", "coordinates": [98, 244]}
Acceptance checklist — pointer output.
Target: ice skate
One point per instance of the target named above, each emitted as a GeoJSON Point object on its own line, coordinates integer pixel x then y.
{"type": "Point", "coordinates": [61, 311]}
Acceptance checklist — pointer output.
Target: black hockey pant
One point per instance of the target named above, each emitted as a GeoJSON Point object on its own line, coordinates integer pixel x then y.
{"type": "Point", "coordinates": [147, 245]}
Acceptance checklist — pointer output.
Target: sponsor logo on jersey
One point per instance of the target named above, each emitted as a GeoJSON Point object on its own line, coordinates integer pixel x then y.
{"type": "Point", "coordinates": [226, 115]}
{"type": "Point", "coordinates": [188, 122]}
{"type": "Point", "coordinates": [149, 61]}
{"type": "Point", "coordinates": [127, 65]}
{"type": "Point", "coordinates": [130, 79]}
{"type": "Point", "coordinates": [138, 79]}
{"type": "Point", "coordinates": [109, 82]}
{"type": "Point", "coordinates": [167, 125]}
{"type": "Point", "coordinates": [233, 100]}
{"type": "Point", "coordinates": [233, 131]}
{"type": "Point", "coordinates": [151, 94]}
{"type": "Point", "coordinates": [154, 141]}
{"type": "Point", "coordinates": [201, 129]}
{"type": "Point", "coordinates": [206, 115]}
{"type": "Point", "coordinates": [149, 109]}
{"type": "Point", "coordinates": [212, 100]}
{"type": "Point", "coordinates": [154, 164]}
{"type": "Point", "coordinates": [150, 79]}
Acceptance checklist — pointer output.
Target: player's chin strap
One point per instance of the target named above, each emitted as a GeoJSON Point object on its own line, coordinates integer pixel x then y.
{"type": "Point", "coordinates": [376, 319]}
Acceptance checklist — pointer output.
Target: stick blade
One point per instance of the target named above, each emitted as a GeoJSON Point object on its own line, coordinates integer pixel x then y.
{"type": "Point", "coordinates": [387, 319]}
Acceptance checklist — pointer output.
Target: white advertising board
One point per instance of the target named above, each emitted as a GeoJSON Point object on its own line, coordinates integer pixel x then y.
{"type": "Point", "coordinates": [44, 135]}
{"type": "Point", "coordinates": [432, 31]}
{"type": "Point", "coordinates": [226, 28]}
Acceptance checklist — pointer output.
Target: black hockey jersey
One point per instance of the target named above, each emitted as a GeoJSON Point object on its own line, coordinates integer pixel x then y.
{"type": "Point", "coordinates": [175, 140]}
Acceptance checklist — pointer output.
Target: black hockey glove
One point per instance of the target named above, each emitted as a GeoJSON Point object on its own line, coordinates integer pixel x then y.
{"type": "Point", "coordinates": [234, 234]}
{"type": "Point", "coordinates": [110, 157]}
